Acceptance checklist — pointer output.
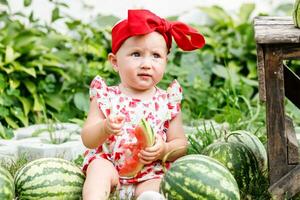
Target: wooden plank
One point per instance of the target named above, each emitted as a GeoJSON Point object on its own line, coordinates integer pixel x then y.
{"type": "Point", "coordinates": [277, 140]}
{"type": "Point", "coordinates": [269, 30]}
{"type": "Point", "coordinates": [288, 186]}
{"type": "Point", "coordinates": [292, 85]}
{"type": "Point", "coordinates": [290, 51]}
{"type": "Point", "coordinates": [261, 72]}
{"type": "Point", "coordinates": [292, 142]}
{"type": "Point", "coordinates": [267, 20]}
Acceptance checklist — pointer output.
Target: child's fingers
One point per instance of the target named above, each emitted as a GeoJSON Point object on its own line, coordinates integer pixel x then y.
{"type": "Point", "coordinates": [117, 119]}
{"type": "Point", "coordinates": [115, 126]}
{"type": "Point", "coordinates": [147, 154]}
{"type": "Point", "coordinates": [153, 148]}
{"type": "Point", "coordinates": [145, 162]}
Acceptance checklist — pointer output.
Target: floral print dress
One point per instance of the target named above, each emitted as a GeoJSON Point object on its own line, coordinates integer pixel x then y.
{"type": "Point", "coordinates": [158, 111]}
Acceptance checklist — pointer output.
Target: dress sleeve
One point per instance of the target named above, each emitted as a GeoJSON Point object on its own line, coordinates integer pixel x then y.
{"type": "Point", "coordinates": [99, 90]}
{"type": "Point", "coordinates": [174, 93]}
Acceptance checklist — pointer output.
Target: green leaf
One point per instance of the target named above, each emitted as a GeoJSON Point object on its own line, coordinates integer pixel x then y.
{"type": "Point", "coordinates": [28, 70]}
{"type": "Point", "coordinates": [3, 82]}
{"type": "Point", "coordinates": [226, 73]}
{"type": "Point", "coordinates": [246, 10]}
{"type": "Point", "coordinates": [4, 112]}
{"type": "Point", "coordinates": [18, 113]}
{"type": "Point", "coordinates": [27, 3]}
{"type": "Point", "coordinates": [191, 63]}
{"type": "Point", "coordinates": [106, 21]}
{"type": "Point", "coordinates": [55, 101]}
{"type": "Point", "coordinates": [9, 54]}
{"type": "Point", "coordinates": [14, 83]}
{"type": "Point", "coordinates": [25, 41]}
{"type": "Point", "coordinates": [11, 122]}
{"type": "Point", "coordinates": [81, 101]}
{"type": "Point", "coordinates": [218, 14]}
{"type": "Point", "coordinates": [8, 68]}
{"type": "Point", "coordinates": [4, 2]}
{"type": "Point", "coordinates": [38, 103]}
{"type": "Point", "coordinates": [27, 104]}
{"type": "Point", "coordinates": [55, 14]}
{"type": "Point", "coordinates": [30, 87]}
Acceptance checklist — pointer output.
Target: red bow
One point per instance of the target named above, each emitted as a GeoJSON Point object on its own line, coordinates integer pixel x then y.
{"type": "Point", "coordinates": [141, 22]}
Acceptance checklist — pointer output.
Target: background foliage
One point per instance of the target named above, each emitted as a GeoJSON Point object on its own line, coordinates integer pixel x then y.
{"type": "Point", "coordinates": [45, 74]}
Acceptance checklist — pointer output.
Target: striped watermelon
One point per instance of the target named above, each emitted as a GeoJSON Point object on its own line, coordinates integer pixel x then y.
{"type": "Point", "coordinates": [7, 188]}
{"type": "Point", "coordinates": [240, 161]}
{"type": "Point", "coordinates": [254, 144]}
{"type": "Point", "coordinates": [198, 177]}
{"type": "Point", "coordinates": [49, 178]}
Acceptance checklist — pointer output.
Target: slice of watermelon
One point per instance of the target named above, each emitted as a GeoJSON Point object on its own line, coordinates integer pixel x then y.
{"type": "Point", "coordinates": [145, 138]}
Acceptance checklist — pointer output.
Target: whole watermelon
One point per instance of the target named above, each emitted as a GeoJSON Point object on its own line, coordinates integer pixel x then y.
{"type": "Point", "coordinates": [49, 178]}
{"type": "Point", "coordinates": [240, 161]}
{"type": "Point", "coordinates": [7, 188]}
{"type": "Point", "coordinates": [198, 177]}
{"type": "Point", "coordinates": [255, 145]}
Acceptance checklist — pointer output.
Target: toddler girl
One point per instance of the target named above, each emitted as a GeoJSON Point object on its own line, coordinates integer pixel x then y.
{"type": "Point", "coordinates": [140, 45]}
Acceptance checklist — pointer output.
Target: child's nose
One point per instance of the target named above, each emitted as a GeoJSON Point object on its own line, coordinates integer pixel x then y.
{"type": "Point", "coordinates": [146, 63]}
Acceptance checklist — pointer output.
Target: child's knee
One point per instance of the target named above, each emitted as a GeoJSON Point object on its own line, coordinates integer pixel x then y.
{"type": "Point", "coordinates": [102, 168]}
{"type": "Point", "coordinates": [149, 185]}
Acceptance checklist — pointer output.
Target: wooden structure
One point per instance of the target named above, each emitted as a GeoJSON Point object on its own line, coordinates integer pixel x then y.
{"type": "Point", "coordinates": [277, 40]}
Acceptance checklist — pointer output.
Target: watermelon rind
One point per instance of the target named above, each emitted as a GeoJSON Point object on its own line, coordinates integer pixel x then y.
{"type": "Point", "coordinates": [240, 161]}
{"type": "Point", "coordinates": [196, 177]}
{"type": "Point", "coordinates": [149, 133]}
{"type": "Point", "coordinates": [49, 178]}
{"type": "Point", "coordinates": [7, 188]}
{"type": "Point", "coordinates": [254, 144]}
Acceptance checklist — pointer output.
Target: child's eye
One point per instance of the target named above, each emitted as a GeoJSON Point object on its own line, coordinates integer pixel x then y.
{"type": "Point", "coordinates": [156, 55]}
{"type": "Point", "coordinates": [135, 54]}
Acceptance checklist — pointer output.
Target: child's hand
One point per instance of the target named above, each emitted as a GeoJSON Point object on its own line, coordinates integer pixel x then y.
{"type": "Point", "coordinates": [114, 124]}
{"type": "Point", "coordinates": [156, 152]}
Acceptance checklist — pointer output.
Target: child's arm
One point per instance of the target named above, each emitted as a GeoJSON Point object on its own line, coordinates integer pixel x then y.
{"type": "Point", "coordinates": [175, 139]}
{"type": "Point", "coordinates": [97, 128]}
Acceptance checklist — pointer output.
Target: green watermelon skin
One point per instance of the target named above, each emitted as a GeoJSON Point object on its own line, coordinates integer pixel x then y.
{"type": "Point", "coordinates": [49, 178]}
{"type": "Point", "coordinates": [198, 177]}
{"type": "Point", "coordinates": [240, 161]}
{"type": "Point", "coordinates": [296, 13]}
{"type": "Point", "coordinates": [254, 144]}
{"type": "Point", "coordinates": [7, 188]}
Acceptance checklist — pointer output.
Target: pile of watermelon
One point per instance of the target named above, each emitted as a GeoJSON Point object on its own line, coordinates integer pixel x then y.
{"type": "Point", "coordinates": [230, 168]}
{"type": "Point", "coordinates": [227, 169]}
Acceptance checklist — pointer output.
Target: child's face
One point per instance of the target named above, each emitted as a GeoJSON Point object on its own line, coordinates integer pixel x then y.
{"type": "Point", "coordinates": [141, 61]}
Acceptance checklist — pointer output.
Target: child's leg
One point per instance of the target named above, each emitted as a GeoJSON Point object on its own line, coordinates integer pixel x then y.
{"type": "Point", "coordinates": [101, 175]}
{"type": "Point", "coordinates": [149, 185]}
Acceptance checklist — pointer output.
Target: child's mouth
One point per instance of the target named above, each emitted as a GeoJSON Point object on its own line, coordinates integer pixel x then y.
{"type": "Point", "coordinates": [143, 75]}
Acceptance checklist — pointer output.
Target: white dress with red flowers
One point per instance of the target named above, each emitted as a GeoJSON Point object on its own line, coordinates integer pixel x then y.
{"type": "Point", "coordinates": [158, 111]}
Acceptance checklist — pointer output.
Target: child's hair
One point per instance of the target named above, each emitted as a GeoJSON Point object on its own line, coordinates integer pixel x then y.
{"type": "Point", "coordinates": [140, 22]}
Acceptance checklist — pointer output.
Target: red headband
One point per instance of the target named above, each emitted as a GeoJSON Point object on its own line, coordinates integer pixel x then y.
{"type": "Point", "coordinates": [141, 22]}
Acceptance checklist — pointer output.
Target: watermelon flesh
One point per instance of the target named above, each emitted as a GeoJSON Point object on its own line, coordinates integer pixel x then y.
{"type": "Point", "coordinates": [144, 138]}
